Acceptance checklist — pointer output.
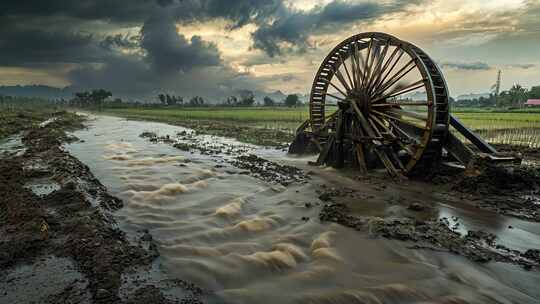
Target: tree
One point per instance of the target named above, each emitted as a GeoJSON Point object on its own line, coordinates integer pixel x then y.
{"type": "Point", "coordinates": [162, 98]}
{"type": "Point", "coordinates": [231, 101]}
{"type": "Point", "coordinates": [179, 100]}
{"type": "Point", "coordinates": [534, 93]}
{"type": "Point", "coordinates": [518, 95]}
{"type": "Point", "coordinates": [292, 100]}
{"type": "Point", "coordinates": [196, 101]}
{"type": "Point", "coordinates": [171, 100]}
{"type": "Point", "coordinates": [268, 102]}
{"type": "Point", "coordinates": [99, 96]}
{"type": "Point", "coordinates": [247, 98]}
{"type": "Point", "coordinates": [82, 98]}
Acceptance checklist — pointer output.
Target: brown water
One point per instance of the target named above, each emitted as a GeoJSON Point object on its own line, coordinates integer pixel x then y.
{"type": "Point", "coordinates": [245, 241]}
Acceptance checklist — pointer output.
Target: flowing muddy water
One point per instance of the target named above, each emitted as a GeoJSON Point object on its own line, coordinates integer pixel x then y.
{"type": "Point", "coordinates": [250, 241]}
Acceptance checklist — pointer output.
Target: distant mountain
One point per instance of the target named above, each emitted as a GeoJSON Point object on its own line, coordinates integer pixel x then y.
{"type": "Point", "coordinates": [41, 91]}
{"type": "Point", "coordinates": [472, 96]}
{"type": "Point", "coordinates": [416, 96]}
{"type": "Point", "coordinates": [277, 96]}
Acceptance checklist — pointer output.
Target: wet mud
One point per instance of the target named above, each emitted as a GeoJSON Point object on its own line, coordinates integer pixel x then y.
{"type": "Point", "coordinates": [479, 246]}
{"type": "Point", "coordinates": [254, 165]}
{"type": "Point", "coordinates": [46, 236]}
{"type": "Point", "coordinates": [512, 190]}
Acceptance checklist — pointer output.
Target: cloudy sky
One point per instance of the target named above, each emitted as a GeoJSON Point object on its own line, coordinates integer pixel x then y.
{"type": "Point", "coordinates": [214, 47]}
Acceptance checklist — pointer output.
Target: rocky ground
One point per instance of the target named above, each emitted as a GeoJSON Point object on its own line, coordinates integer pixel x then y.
{"type": "Point", "coordinates": [58, 242]}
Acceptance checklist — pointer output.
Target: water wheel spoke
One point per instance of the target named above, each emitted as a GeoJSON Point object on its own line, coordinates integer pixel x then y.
{"type": "Point", "coordinates": [354, 67]}
{"type": "Point", "coordinates": [387, 73]}
{"type": "Point", "coordinates": [334, 96]}
{"type": "Point", "coordinates": [408, 114]}
{"type": "Point", "coordinates": [341, 79]}
{"type": "Point", "coordinates": [395, 137]}
{"type": "Point", "coordinates": [383, 70]}
{"type": "Point", "coordinates": [381, 124]}
{"type": "Point", "coordinates": [397, 104]}
{"type": "Point", "coordinates": [403, 133]}
{"type": "Point", "coordinates": [334, 86]}
{"type": "Point", "coordinates": [372, 124]}
{"type": "Point", "coordinates": [401, 90]}
{"type": "Point", "coordinates": [398, 119]}
{"type": "Point", "coordinates": [398, 76]}
{"type": "Point", "coordinates": [377, 70]}
{"type": "Point", "coordinates": [359, 70]}
{"type": "Point", "coordinates": [346, 70]}
{"type": "Point", "coordinates": [366, 63]}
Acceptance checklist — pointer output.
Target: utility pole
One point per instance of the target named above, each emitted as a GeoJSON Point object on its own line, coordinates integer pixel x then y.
{"type": "Point", "coordinates": [497, 87]}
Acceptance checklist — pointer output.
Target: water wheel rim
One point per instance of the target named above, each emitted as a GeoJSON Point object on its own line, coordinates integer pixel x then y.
{"type": "Point", "coordinates": [377, 73]}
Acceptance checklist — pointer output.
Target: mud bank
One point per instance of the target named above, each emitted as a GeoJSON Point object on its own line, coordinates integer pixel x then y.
{"type": "Point", "coordinates": [478, 246]}
{"type": "Point", "coordinates": [510, 190]}
{"type": "Point", "coordinates": [238, 156]}
{"type": "Point", "coordinates": [58, 241]}
{"type": "Point", "coordinates": [244, 132]}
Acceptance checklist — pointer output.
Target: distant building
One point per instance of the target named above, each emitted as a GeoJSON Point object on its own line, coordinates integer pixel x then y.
{"type": "Point", "coordinates": [533, 103]}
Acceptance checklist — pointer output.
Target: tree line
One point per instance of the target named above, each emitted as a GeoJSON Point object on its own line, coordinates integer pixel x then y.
{"type": "Point", "coordinates": [515, 97]}
{"type": "Point", "coordinates": [243, 99]}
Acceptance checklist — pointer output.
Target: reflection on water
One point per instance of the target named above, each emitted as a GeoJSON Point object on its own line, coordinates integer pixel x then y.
{"type": "Point", "coordinates": [246, 240]}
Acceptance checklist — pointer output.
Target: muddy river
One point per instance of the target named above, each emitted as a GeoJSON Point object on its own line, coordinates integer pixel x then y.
{"type": "Point", "coordinates": [252, 241]}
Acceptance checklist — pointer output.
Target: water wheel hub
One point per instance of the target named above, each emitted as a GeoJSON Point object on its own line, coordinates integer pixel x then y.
{"type": "Point", "coordinates": [361, 98]}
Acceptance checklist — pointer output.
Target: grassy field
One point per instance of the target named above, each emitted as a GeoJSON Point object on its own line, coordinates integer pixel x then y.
{"type": "Point", "coordinates": [521, 127]}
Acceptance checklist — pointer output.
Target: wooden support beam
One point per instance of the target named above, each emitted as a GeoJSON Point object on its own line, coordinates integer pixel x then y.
{"type": "Point", "coordinates": [476, 140]}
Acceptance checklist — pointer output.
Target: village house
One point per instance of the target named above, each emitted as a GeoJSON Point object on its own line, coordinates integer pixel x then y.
{"type": "Point", "coordinates": [533, 103]}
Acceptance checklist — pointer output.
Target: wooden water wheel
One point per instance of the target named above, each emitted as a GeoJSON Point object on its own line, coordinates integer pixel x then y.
{"type": "Point", "coordinates": [377, 101]}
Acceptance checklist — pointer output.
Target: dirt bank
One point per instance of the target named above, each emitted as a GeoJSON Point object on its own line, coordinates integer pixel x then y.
{"type": "Point", "coordinates": [438, 235]}
{"type": "Point", "coordinates": [68, 229]}
{"type": "Point", "coordinates": [15, 121]}
{"type": "Point", "coordinates": [240, 157]}
{"type": "Point", "coordinates": [510, 190]}
{"type": "Point", "coordinates": [244, 132]}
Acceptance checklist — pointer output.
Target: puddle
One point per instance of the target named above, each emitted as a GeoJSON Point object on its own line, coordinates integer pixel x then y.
{"type": "Point", "coordinates": [12, 146]}
{"type": "Point", "coordinates": [42, 186]}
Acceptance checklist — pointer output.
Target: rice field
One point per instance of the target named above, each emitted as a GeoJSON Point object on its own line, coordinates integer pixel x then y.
{"type": "Point", "coordinates": [514, 128]}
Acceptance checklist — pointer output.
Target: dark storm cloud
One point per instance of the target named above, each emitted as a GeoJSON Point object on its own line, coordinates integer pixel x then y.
{"type": "Point", "coordinates": [471, 66]}
{"type": "Point", "coordinates": [120, 41]}
{"type": "Point", "coordinates": [295, 27]}
{"type": "Point", "coordinates": [167, 62]}
{"type": "Point", "coordinates": [78, 33]}
{"type": "Point", "coordinates": [239, 12]}
{"type": "Point", "coordinates": [109, 10]}
{"type": "Point", "coordinates": [28, 47]}
{"type": "Point", "coordinates": [169, 51]}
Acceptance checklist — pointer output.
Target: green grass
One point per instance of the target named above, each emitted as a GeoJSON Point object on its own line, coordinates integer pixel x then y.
{"type": "Point", "coordinates": [251, 114]}
{"type": "Point", "coordinates": [521, 126]}
{"type": "Point", "coordinates": [273, 116]}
